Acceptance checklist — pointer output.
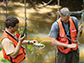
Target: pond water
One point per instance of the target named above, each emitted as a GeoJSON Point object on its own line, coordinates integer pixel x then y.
{"type": "Point", "coordinates": [46, 54]}
{"type": "Point", "coordinates": [39, 25]}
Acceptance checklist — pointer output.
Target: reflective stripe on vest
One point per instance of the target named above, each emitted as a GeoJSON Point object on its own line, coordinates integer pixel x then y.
{"type": "Point", "coordinates": [63, 38]}
{"type": "Point", "coordinates": [21, 54]}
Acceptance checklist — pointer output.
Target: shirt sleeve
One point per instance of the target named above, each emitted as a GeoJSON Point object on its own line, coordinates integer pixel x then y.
{"type": "Point", "coordinates": [8, 46]}
{"type": "Point", "coordinates": [75, 22]}
{"type": "Point", "coordinates": [54, 30]}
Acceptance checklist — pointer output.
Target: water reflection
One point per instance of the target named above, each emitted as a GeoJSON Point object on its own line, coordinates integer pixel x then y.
{"type": "Point", "coordinates": [45, 55]}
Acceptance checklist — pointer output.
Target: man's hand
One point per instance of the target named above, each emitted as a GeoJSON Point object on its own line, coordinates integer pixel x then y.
{"type": "Point", "coordinates": [71, 45]}
{"type": "Point", "coordinates": [22, 38]}
{"type": "Point", "coordinates": [33, 41]}
{"type": "Point", "coordinates": [80, 27]}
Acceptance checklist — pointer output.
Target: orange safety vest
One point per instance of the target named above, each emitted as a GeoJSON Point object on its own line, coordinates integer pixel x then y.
{"type": "Point", "coordinates": [63, 38]}
{"type": "Point", "coordinates": [20, 56]}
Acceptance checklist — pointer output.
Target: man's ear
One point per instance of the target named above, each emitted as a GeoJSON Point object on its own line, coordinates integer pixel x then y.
{"type": "Point", "coordinates": [10, 27]}
{"type": "Point", "coordinates": [60, 15]}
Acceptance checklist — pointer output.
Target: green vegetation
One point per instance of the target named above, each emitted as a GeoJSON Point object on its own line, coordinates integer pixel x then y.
{"type": "Point", "coordinates": [4, 60]}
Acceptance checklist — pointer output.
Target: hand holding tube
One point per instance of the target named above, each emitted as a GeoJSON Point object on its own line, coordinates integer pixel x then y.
{"type": "Point", "coordinates": [71, 45]}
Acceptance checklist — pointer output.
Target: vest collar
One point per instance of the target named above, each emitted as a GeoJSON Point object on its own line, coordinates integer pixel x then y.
{"type": "Point", "coordinates": [11, 35]}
